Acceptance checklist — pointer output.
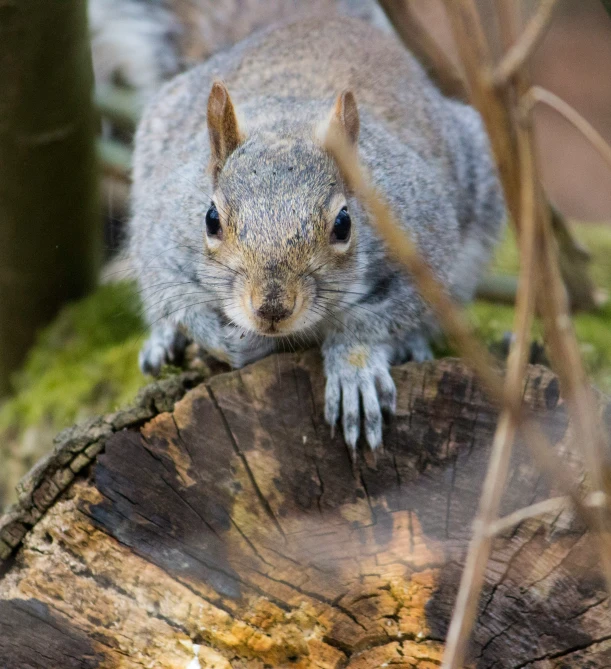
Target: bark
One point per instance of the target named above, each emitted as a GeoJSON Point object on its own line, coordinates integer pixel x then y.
{"type": "Point", "coordinates": [49, 216]}
{"type": "Point", "coordinates": [228, 529]}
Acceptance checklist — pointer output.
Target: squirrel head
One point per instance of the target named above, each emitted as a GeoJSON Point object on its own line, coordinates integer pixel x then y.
{"type": "Point", "coordinates": [279, 228]}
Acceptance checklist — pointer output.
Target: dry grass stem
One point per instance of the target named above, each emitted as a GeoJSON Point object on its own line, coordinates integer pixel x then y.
{"type": "Point", "coordinates": [566, 356]}
{"type": "Point", "coordinates": [480, 546]}
{"type": "Point", "coordinates": [554, 306]}
{"type": "Point", "coordinates": [552, 505]}
{"type": "Point", "coordinates": [420, 42]}
{"type": "Point", "coordinates": [539, 94]}
{"type": "Point", "coordinates": [575, 386]}
{"type": "Point", "coordinates": [511, 139]}
{"type": "Point", "coordinates": [475, 55]}
{"type": "Point", "coordinates": [405, 252]}
{"type": "Point", "coordinates": [449, 315]}
{"type": "Point", "coordinates": [522, 50]}
{"type": "Point", "coordinates": [451, 319]}
{"type": "Point", "coordinates": [493, 104]}
{"type": "Point", "coordinates": [466, 23]}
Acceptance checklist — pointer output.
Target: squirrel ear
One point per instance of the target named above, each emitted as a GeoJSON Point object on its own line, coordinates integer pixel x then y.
{"type": "Point", "coordinates": [345, 113]}
{"type": "Point", "coordinates": [225, 135]}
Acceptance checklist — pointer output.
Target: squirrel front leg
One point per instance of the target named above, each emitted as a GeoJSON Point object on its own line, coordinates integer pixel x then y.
{"type": "Point", "coordinates": [166, 343]}
{"type": "Point", "coordinates": [358, 373]}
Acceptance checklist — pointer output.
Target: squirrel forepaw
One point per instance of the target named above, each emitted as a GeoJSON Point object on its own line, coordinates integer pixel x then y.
{"type": "Point", "coordinates": [414, 347]}
{"type": "Point", "coordinates": [166, 345]}
{"type": "Point", "coordinates": [358, 375]}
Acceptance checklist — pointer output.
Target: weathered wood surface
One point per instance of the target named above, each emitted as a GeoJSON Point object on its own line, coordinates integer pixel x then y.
{"type": "Point", "coordinates": [234, 532]}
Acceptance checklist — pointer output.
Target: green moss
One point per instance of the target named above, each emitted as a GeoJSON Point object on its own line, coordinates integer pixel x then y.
{"type": "Point", "coordinates": [492, 321]}
{"type": "Point", "coordinates": [84, 363]}
{"type": "Point", "coordinates": [506, 258]}
{"type": "Point", "coordinates": [596, 237]}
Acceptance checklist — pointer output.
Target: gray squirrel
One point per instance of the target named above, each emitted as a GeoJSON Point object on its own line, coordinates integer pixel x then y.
{"type": "Point", "coordinates": [245, 239]}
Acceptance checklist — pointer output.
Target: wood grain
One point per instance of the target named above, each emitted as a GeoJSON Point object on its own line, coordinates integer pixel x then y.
{"type": "Point", "coordinates": [234, 530]}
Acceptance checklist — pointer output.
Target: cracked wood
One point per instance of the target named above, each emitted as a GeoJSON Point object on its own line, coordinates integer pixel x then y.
{"type": "Point", "coordinates": [234, 530]}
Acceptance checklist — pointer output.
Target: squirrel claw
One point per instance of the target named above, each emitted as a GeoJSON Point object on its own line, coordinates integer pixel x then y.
{"type": "Point", "coordinates": [362, 392]}
{"type": "Point", "coordinates": [372, 413]}
{"type": "Point", "coordinates": [387, 393]}
{"type": "Point", "coordinates": [350, 412]}
{"type": "Point", "coordinates": [332, 402]}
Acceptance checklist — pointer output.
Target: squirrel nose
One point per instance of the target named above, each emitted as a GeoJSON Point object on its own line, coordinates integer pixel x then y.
{"type": "Point", "coordinates": [274, 311]}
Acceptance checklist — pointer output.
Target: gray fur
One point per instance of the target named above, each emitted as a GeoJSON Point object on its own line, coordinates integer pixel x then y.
{"type": "Point", "coordinates": [136, 42]}
{"type": "Point", "coordinates": [143, 43]}
{"type": "Point", "coordinates": [429, 156]}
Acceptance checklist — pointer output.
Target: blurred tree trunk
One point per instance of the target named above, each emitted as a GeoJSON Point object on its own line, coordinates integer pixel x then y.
{"type": "Point", "coordinates": [49, 224]}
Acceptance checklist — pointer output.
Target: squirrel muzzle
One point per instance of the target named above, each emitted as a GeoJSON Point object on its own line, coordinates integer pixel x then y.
{"type": "Point", "coordinates": [274, 308]}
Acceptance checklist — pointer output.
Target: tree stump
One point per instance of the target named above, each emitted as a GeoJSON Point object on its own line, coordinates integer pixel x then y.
{"type": "Point", "coordinates": [227, 529]}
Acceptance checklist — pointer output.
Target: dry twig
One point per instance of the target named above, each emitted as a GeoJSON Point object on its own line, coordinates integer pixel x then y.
{"type": "Point", "coordinates": [420, 42]}
{"type": "Point", "coordinates": [552, 505]}
{"type": "Point", "coordinates": [538, 94]}
{"type": "Point", "coordinates": [511, 139]}
{"type": "Point", "coordinates": [450, 317]}
{"type": "Point", "coordinates": [477, 79]}
{"type": "Point", "coordinates": [472, 579]}
{"type": "Point", "coordinates": [553, 303]}
{"type": "Point", "coordinates": [523, 49]}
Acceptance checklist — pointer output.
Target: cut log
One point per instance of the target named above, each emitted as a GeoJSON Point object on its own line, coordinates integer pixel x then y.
{"type": "Point", "coordinates": [228, 529]}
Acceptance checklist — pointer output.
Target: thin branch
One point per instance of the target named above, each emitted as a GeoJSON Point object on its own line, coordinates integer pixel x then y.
{"type": "Point", "coordinates": [452, 321]}
{"type": "Point", "coordinates": [404, 250]}
{"type": "Point", "coordinates": [508, 522]}
{"type": "Point", "coordinates": [523, 49]}
{"type": "Point", "coordinates": [501, 126]}
{"type": "Point", "coordinates": [480, 546]}
{"type": "Point", "coordinates": [552, 505]}
{"type": "Point", "coordinates": [509, 16]}
{"type": "Point", "coordinates": [419, 41]}
{"type": "Point", "coordinates": [504, 132]}
{"type": "Point", "coordinates": [564, 348]}
{"type": "Point", "coordinates": [539, 94]}
{"type": "Point", "coordinates": [566, 357]}
{"type": "Point", "coordinates": [449, 315]}
{"type": "Point", "coordinates": [475, 54]}
{"type": "Point", "coordinates": [492, 106]}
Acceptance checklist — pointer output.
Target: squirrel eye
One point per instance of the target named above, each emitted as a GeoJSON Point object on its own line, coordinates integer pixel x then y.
{"type": "Point", "coordinates": [213, 222]}
{"type": "Point", "coordinates": [341, 227]}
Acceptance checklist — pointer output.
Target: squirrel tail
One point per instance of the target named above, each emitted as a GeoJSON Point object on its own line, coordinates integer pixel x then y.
{"type": "Point", "coordinates": [135, 43]}
{"type": "Point", "coordinates": [143, 43]}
